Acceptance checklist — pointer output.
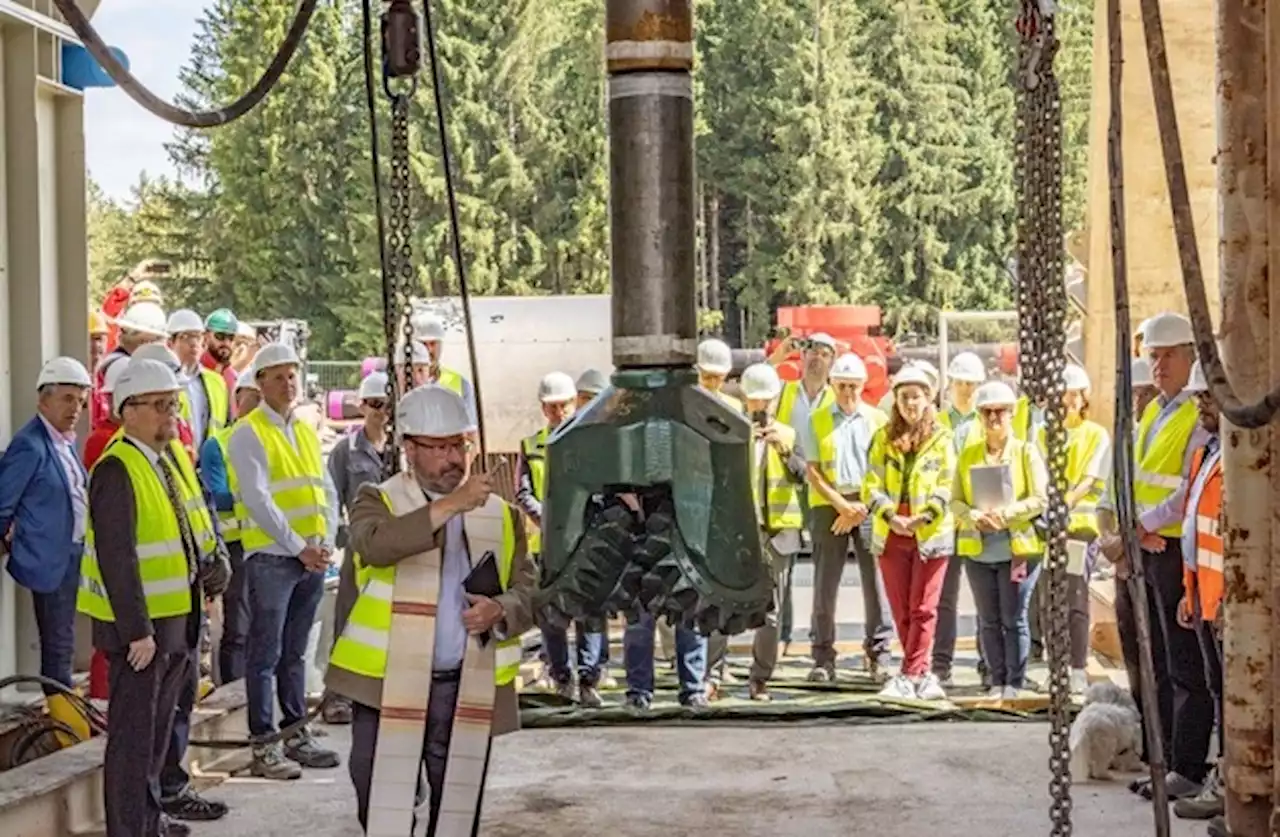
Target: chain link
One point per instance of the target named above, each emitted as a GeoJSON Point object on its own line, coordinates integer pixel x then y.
{"type": "Point", "coordinates": [400, 276]}
{"type": "Point", "coordinates": [1042, 316]}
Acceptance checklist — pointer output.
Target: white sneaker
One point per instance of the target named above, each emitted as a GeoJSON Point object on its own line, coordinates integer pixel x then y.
{"type": "Point", "coordinates": [899, 687]}
{"type": "Point", "coordinates": [1009, 693]}
{"type": "Point", "coordinates": [930, 688]}
{"type": "Point", "coordinates": [995, 693]}
{"type": "Point", "coordinates": [1079, 681]}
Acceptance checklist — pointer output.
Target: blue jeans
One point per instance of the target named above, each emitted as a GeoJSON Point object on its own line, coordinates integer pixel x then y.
{"type": "Point", "coordinates": [56, 624]}
{"type": "Point", "coordinates": [592, 653]}
{"type": "Point", "coordinates": [637, 653]}
{"type": "Point", "coordinates": [283, 598]}
{"type": "Point", "coordinates": [1003, 624]}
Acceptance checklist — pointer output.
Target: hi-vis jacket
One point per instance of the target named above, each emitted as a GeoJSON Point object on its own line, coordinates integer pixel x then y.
{"type": "Point", "coordinates": [927, 491]}
{"type": "Point", "coordinates": [1086, 442]}
{"type": "Point", "coordinates": [1204, 574]}
{"type": "Point", "coordinates": [1029, 488]}
{"type": "Point", "coordinates": [1158, 458]}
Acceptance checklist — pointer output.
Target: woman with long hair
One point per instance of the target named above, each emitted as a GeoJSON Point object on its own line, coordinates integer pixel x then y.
{"type": "Point", "coordinates": [1088, 468]}
{"type": "Point", "coordinates": [1000, 488]}
{"type": "Point", "coordinates": [908, 492]}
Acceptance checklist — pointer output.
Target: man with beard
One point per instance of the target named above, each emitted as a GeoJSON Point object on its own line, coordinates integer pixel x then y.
{"type": "Point", "coordinates": [220, 330]}
{"type": "Point", "coordinates": [431, 650]}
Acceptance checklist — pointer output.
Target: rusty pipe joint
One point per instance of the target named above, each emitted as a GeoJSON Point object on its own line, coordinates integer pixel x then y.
{"type": "Point", "coordinates": [401, 40]}
{"type": "Point", "coordinates": [649, 55]}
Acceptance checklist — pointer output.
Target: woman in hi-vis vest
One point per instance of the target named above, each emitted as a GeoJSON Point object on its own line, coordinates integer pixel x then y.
{"type": "Point", "coordinates": [1088, 468]}
{"type": "Point", "coordinates": [999, 491]}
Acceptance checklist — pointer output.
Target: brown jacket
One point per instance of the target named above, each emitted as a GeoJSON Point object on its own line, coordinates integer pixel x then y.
{"type": "Point", "coordinates": [381, 539]}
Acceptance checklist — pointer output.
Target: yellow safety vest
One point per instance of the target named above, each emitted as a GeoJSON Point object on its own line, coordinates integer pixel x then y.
{"type": "Point", "coordinates": [791, 391]}
{"type": "Point", "coordinates": [1021, 418]}
{"type": "Point", "coordinates": [1158, 461]}
{"type": "Point", "coordinates": [972, 434]}
{"type": "Point", "coordinates": [162, 561]}
{"type": "Point", "coordinates": [230, 522]}
{"type": "Point", "coordinates": [295, 477]}
{"type": "Point", "coordinates": [450, 380]}
{"type": "Point", "coordinates": [534, 449]}
{"type": "Point", "coordinates": [175, 446]}
{"type": "Point", "coordinates": [781, 499]}
{"type": "Point", "coordinates": [928, 488]}
{"type": "Point", "coordinates": [823, 423]}
{"type": "Point", "coordinates": [1023, 538]}
{"type": "Point", "coordinates": [215, 393]}
{"type": "Point", "coordinates": [362, 648]}
{"type": "Point", "coordinates": [733, 403]}
{"type": "Point", "coordinates": [1083, 442]}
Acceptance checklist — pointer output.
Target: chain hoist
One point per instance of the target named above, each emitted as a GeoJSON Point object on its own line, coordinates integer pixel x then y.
{"type": "Point", "coordinates": [1042, 317]}
{"type": "Point", "coordinates": [401, 60]}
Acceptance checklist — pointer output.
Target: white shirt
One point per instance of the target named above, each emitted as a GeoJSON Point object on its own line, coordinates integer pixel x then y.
{"type": "Point", "coordinates": [800, 411]}
{"type": "Point", "coordinates": [455, 566]}
{"type": "Point", "coordinates": [249, 459]}
{"type": "Point", "coordinates": [76, 482]}
{"type": "Point", "coordinates": [199, 401]}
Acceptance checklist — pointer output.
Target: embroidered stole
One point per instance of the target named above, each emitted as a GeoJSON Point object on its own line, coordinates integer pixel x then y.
{"type": "Point", "coordinates": [398, 770]}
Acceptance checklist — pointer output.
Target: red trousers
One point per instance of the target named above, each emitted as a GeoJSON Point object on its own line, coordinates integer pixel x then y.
{"type": "Point", "coordinates": [913, 588]}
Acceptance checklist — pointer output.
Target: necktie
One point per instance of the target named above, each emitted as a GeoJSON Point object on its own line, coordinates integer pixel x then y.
{"type": "Point", "coordinates": [180, 510]}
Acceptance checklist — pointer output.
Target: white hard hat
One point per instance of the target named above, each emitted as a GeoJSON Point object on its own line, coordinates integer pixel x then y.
{"type": "Point", "coordinates": [592, 381]}
{"type": "Point", "coordinates": [967, 367]}
{"type": "Point", "coordinates": [1074, 377]}
{"type": "Point", "coordinates": [243, 329]}
{"type": "Point", "coordinates": [427, 327]}
{"type": "Point", "coordinates": [995, 394]}
{"type": "Point", "coordinates": [161, 353]}
{"type": "Point", "coordinates": [275, 354]}
{"type": "Point", "coordinates": [421, 357]}
{"type": "Point", "coordinates": [141, 377]}
{"type": "Point", "coordinates": [64, 370]}
{"type": "Point", "coordinates": [374, 386]}
{"type": "Point", "coordinates": [715, 357]}
{"type": "Point", "coordinates": [1197, 383]}
{"type": "Point", "coordinates": [557, 388]}
{"type": "Point", "coordinates": [912, 374]}
{"type": "Point", "coordinates": [433, 411]}
{"type": "Point", "coordinates": [822, 339]}
{"type": "Point", "coordinates": [1141, 371]}
{"type": "Point", "coordinates": [848, 367]}
{"type": "Point", "coordinates": [113, 373]}
{"type": "Point", "coordinates": [1165, 330]}
{"type": "Point", "coordinates": [145, 318]}
{"type": "Point", "coordinates": [930, 371]}
{"type": "Point", "coordinates": [760, 382]}
{"type": "Point", "coordinates": [246, 380]}
{"type": "Point", "coordinates": [184, 320]}
{"type": "Point", "coordinates": [145, 291]}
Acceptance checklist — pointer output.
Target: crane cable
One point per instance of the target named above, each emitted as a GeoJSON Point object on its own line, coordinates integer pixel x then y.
{"type": "Point", "coordinates": [137, 91]}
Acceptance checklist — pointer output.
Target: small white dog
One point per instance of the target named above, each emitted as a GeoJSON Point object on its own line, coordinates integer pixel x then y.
{"type": "Point", "coordinates": [1106, 735]}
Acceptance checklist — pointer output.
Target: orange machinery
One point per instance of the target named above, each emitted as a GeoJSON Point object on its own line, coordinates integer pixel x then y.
{"type": "Point", "coordinates": [855, 328]}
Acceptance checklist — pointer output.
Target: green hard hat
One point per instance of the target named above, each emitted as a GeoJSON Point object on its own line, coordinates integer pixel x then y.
{"type": "Point", "coordinates": [222, 321]}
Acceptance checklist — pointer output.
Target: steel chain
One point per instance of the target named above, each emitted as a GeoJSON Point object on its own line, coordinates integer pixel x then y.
{"type": "Point", "coordinates": [1042, 311]}
{"type": "Point", "coordinates": [399, 315]}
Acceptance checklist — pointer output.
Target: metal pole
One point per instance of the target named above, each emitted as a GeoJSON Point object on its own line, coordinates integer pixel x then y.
{"type": "Point", "coordinates": [649, 53]}
{"type": "Point", "coordinates": [1243, 252]}
{"type": "Point", "coordinates": [944, 343]}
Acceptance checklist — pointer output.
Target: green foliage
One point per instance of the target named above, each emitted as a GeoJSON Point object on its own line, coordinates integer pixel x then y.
{"type": "Point", "coordinates": [849, 151]}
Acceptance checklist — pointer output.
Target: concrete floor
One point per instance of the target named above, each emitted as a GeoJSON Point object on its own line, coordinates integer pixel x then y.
{"type": "Point", "coordinates": [920, 780]}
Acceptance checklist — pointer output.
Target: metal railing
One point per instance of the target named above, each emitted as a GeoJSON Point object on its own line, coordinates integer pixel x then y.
{"type": "Point", "coordinates": [335, 374]}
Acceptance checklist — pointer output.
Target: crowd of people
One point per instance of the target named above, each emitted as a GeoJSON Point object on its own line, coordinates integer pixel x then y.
{"type": "Point", "coordinates": [198, 484]}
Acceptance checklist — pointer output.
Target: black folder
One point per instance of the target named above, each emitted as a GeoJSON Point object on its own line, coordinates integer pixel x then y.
{"type": "Point", "coordinates": [484, 581]}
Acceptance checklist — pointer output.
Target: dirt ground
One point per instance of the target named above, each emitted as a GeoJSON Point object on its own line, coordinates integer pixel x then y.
{"type": "Point", "coordinates": [776, 780]}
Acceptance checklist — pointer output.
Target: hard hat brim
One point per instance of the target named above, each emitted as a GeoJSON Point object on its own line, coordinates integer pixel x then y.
{"type": "Point", "coordinates": [714, 369]}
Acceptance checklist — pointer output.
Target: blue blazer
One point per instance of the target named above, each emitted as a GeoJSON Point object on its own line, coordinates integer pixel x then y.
{"type": "Point", "coordinates": [36, 499]}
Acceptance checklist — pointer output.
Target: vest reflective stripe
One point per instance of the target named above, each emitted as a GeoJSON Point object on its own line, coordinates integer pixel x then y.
{"type": "Point", "coordinates": [450, 380]}
{"type": "Point", "coordinates": [791, 391]}
{"type": "Point", "coordinates": [973, 431]}
{"type": "Point", "coordinates": [1024, 540]}
{"type": "Point", "coordinates": [295, 478]}
{"type": "Point", "coordinates": [1022, 418]}
{"type": "Point", "coordinates": [1207, 579]}
{"type": "Point", "coordinates": [1083, 442]}
{"type": "Point", "coordinates": [534, 449]}
{"type": "Point", "coordinates": [362, 648]}
{"type": "Point", "coordinates": [929, 488]}
{"type": "Point", "coordinates": [162, 561]}
{"type": "Point", "coordinates": [823, 424]}
{"type": "Point", "coordinates": [783, 511]}
{"type": "Point", "coordinates": [233, 521]}
{"type": "Point", "coordinates": [1158, 460]}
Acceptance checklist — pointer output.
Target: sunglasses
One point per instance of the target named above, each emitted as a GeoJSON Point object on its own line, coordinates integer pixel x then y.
{"type": "Point", "coordinates": [222, 335]}
{"type": "Point", "coordinates": [376, 405]}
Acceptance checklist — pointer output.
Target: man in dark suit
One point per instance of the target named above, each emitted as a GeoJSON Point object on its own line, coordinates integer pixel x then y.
{"type": "Point", "coordinates": [43, 502]}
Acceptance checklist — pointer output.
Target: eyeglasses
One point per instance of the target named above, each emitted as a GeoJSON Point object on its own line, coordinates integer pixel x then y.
{"type": "Point", "coordinates": [441, 448]}
{"type": "Point", "coordinates": [994, 412]}
{"type": "Point", "coordinates": [222, 335]}
{"type": "Point", "coordinates": [377, 405]}
{"type": "Point", "coordinates": [160, 405]}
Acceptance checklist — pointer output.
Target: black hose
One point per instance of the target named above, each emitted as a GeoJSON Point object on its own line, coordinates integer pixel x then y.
{"type": "Point", "coordinates": [96, 720]}
{"type": "Point", "coordinates": [171, 113]}
{"type": "Point", "coordinates": [455, 227]}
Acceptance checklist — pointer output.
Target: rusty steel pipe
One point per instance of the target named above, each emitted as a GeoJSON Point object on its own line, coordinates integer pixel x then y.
{"type": "Point", "coordinates": [649, 53]}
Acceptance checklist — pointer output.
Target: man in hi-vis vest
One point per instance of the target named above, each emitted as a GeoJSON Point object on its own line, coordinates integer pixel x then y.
{"type": "Point", "coordinates": [1169, 434]}
{"type": "Point", "coordinates": [431, 650]}
{"type": "Point", "coordinates": [428, 332]}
